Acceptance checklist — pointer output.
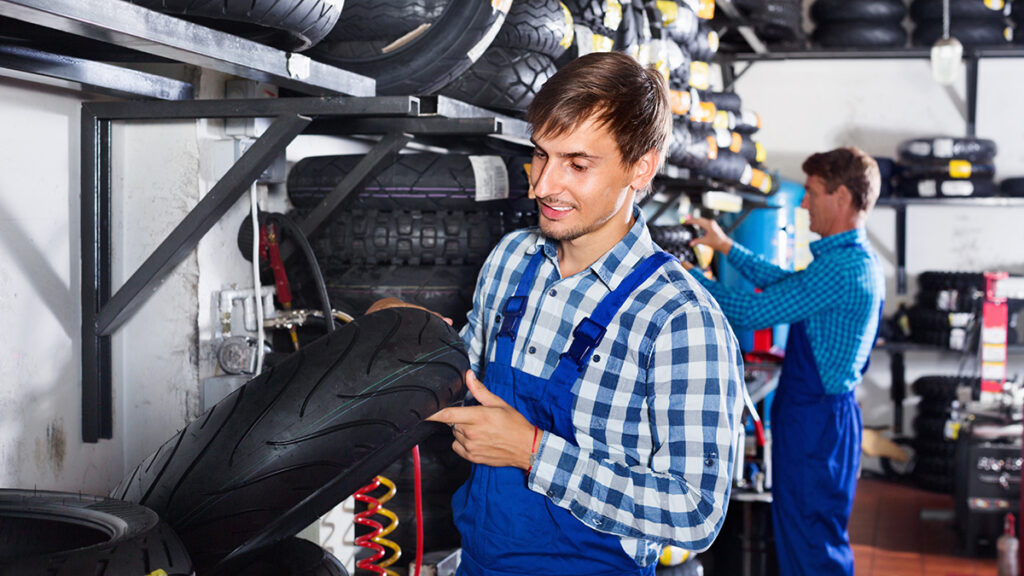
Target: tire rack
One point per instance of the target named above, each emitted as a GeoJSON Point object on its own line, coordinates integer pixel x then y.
{"type": "Point", "coordinates": [399, 119]}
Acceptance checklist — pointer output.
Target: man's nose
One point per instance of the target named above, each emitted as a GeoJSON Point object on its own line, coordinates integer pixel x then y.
{"type": "Point", "coordinates": [544, 183]}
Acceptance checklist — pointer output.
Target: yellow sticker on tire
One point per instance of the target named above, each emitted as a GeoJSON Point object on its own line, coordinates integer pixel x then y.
{"type": "Point", "coordinates": [761, 155]}
{"type": "Point", "coordinates": [707, 9]}
{"type": "Point", "coordinates": [669, 11]}
{"type": "Point", "coordinates": [959, 169]}
{"type": "Point", "coordinates": [995, 4]}
{"type": "Point", "coordinates": [570, 32]}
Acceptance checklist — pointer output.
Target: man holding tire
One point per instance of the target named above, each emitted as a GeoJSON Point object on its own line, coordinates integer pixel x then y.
{"type": "Point", "coordinates": [602, 429]}
{"type": "Point", "coordinates": [833, 308]}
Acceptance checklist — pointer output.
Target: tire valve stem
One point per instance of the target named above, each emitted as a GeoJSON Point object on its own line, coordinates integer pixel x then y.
{"type": "Point", "coordinates": [376, 540]}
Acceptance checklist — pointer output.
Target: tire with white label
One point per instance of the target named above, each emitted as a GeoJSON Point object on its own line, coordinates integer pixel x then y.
{"type": "Point", "coordinates": [64, 534]}
{"type": "Point", "coordinates": [728, 166]}
{"type": "Point", "coordinates": [948, 148]}
{"type": "Point", "coordinates": [690, 147]}
{"type": "Point", "coordinates": [426, 181]}
{"type": "Point", "coordinates": [601, 17]}
{"type": "Point", "coordinates": [504, 79]}
{"type": "Point", "coordinates": [729, 101]}
{"type": "Point", "coordinates": [947, 187]}
{"type": "Point", "coordinates": [288, 24]}
{"type": "Point", "coordinates": [425, 62]}
{"type": "Point", "coordinates": [971, 33]}
{"type": "Point", "coordinates": [855, 34]}
{"type": "Point", "coordinates": [676, 240]}
{"type": "Point", "coordinates": [406, 237]}
{"type": "Point", "coordinates": [823, 11]}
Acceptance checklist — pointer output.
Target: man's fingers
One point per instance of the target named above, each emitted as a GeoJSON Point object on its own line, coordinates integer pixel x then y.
{"type": "Point", "coordinates": [484, 396]}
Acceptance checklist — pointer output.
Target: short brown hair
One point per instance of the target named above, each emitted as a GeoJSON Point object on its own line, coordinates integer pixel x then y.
{"type": "Point", "coordinates": [850, 167]}
{"type": "Point", "coordinates": [630, 100]}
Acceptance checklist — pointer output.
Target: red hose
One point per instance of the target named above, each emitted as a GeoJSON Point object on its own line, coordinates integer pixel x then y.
{"type": "Point", "coordinates": [418, 492]}
{"type": "Point", "coordinates": [366, 540]}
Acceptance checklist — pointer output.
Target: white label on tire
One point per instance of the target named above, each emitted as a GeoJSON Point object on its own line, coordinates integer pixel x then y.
{"type": "Point", "coordinates": [477, 51]}
{"type": "Point", "coordinates": [957, 188]}
{"type": "Point", "coordinates": [926, 189]}
{"type": "Point", "coordinates": [584, 39]}
{"type": "Point", "coordinates": [957, 338]}
{"type": "Point", "coordinates": [943, 148]}
{"type": "Point", "coordinates": [491, 178]}
{"type": "Point", "coordinates": [920, 148]}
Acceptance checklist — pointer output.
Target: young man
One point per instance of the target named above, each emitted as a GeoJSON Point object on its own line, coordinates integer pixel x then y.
{"type": "Point", "coordinates": [610, 379]}
{"type": "Point", "coordinates": [833, 307]}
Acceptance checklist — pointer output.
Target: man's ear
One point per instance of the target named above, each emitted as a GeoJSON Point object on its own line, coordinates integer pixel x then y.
{"type": "Point", "coordinates": [645, 168]}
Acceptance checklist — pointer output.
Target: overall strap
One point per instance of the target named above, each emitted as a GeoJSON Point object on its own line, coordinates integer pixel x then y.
{"type": "Point", "coordinates": [515, 307]}
{"type": "Point", "coordinates": [590, 331]}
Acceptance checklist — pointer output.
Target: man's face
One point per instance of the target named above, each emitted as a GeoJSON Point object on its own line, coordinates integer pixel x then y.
{"type": "Point", "coordinates": [824, 208]}
{"type": "Point", "coordinates": [581, 185]}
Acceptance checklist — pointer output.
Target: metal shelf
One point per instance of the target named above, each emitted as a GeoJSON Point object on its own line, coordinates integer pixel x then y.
{"type": "Point", "coordinates": [129, 26]}
{"type": "Point", "coordinates": [868, 54]}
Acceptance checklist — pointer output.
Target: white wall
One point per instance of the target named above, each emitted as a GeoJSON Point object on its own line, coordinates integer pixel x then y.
{"type": "Point", "coordinates": [809, 106]}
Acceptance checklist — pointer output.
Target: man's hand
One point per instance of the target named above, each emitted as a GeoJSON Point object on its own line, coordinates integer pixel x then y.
{"type": "Point", "coordinates": [713, 236]}
{"type": "Point", "coordinates": [492, 433]}
{"type": "Point", "coordinates": [396, 303]}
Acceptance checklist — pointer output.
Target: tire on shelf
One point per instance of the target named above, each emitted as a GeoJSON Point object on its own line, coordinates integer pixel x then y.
{"type": "Point", "coordinates": [891, 11]}
{"type": "Point", "coordinates": [947, 148]}
{"type": "Point", "coordinates": [267, 460]}
{"type": "Point", "coordinates": [407, 237]}
{"type": "Point", "coordinates": [958, 10]}
{"type": "Point", "coordinates": [504, 79]}
{"type": "Point", "coordinates": [690, 147]}
{"type": "Point", "coordinates": [730, 101]}
{"type": "Point", "coordinates": [955, 169]}
{"type": "Point", "coordinates": [425, 181]}
{"type": "Point", "coordinates": [384, 20]}
{"type": "Point", "coordinates": [941, 388]}
{"type": "Point", "coordinates": [599, 16]}
{"type": "Point", "coordinates": [860, 35]}
{"type": "Point", "coordinates": [292, 25]}
{"type": "Point", "coordinates": [929, 428]}
{"type": "Point", "coordinates": [727, 166]}
{"type": "Point", "coordinates": [541, 26]}
{"type": "Point", "coordinates": [946, 280]}
{"type": "Point", "coordinates": [64, 534]}
{"type": "Point", "coordinates": [970, 33]}
{"type": "Point", "coordinates": [291, 557]}
{"type": "Point", "coordinates": [425, 63]}
{"type": "Point", "coordinates": [947, 187]}
{"type": "Point", "coordinates": [447, 290]}
{"type": "Point", "coordinates": [949, 300]}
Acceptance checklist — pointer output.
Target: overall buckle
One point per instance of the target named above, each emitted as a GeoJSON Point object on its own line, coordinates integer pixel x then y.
{"type": "Point", "coordinates": [513, 312]}
{"type": "Point", "coordinates": [585, 338]}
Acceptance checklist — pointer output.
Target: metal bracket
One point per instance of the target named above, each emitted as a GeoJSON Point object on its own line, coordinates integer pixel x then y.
{"type": "Point", "coordinates": [102, 314]}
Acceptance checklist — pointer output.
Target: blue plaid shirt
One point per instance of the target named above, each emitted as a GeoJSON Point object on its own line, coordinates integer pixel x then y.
{"type": "Point", "coordinates": [838, 297]}
{"type": "Point", "coordinates": [656, 408]}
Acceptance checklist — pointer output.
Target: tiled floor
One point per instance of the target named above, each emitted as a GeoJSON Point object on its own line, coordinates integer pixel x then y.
{"type": "Point", "coordinates": [890, 538]}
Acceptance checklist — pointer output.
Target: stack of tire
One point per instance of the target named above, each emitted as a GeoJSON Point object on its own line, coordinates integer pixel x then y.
{"type": "Point", "coordinates": [947, 304]}
{"type": "Point", "coordinates": [934, 464]}
{"type": "Point", "coordinates": [946, 167]}
{"type": "Point", "coordinates": [1012, 187]}
{"type": "Point", "coordinates": [779, 23]}
{"type": "Point", "coordinates": [418, 229]}
{"type": "Point", "coordinates": [859, 23]}
{"type": "Point", "coordinates": [519, 60]}
{"type": "Point", "coordinates": [975, 23]}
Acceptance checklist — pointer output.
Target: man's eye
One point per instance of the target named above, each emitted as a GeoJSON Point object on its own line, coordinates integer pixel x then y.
{"type": "Point", "coordinates": [539, 154]}
{"type": "Point", "coordinates": [578, 168]}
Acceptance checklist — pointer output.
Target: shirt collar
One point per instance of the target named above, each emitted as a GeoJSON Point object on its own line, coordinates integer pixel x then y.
{"type": "Point", "coordinates": [617, 262]}
{"type": "Point", "coordinates": [855, 237]}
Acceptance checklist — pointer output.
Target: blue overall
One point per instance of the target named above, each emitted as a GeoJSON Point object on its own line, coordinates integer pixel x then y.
{"type": "Point", "coordinates": [815, 457]}
{"type": "Point", "coordinates": [506, 527]}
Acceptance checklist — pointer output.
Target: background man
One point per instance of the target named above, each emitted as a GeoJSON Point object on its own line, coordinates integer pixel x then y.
{"type": "Point", "coordinates": [833, 306]}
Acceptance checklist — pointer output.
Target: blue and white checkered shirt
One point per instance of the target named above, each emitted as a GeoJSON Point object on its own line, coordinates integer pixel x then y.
{"type": "Point", "coordinates": [838, 296]}
{"type": "Point", "coordinates": [656, 408]}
